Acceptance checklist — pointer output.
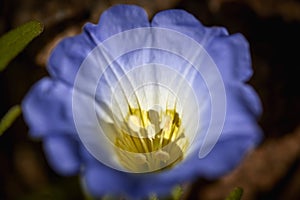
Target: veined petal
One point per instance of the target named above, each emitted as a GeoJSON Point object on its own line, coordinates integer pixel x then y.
{"type": "Point", "coordinates": [150, 89]}
{"type": "Point", "coordinates": [68, 56]}
{"type": "Point", "coordinates": [47, 108]}
{"type": "Point", "coordinates": [230, 53]}
{"type": "Point", "coordinates": [117, 19]}
{"type": "Point", "coordinates": [186, 23]}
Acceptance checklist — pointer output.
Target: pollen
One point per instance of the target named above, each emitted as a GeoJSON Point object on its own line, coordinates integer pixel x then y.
{"type": "Point", "coordinates": [150, 140]}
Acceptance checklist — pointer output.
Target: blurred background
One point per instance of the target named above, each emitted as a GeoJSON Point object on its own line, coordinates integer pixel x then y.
{"type": "Point", "coordinates": [272, 27]}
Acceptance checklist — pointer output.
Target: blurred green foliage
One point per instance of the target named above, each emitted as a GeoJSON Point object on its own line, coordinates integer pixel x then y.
{"type": "Point", "coordinates": [11, 44]}
{"type": "Point", "coordinates": [9, 118]}
{"type": "Point", "coordinates": [236, 194]}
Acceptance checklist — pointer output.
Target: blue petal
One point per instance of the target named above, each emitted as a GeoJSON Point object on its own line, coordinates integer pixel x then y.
{"type": "Point", "coordinates": [117, 19]}
{"type": "Point", "coordinates": [252, 100]}
{"type": "Point", "coordinates": [232, 56]}
{"type": "Point", "coordinates": [69, 54]}
{"type": "Point", "coordinates": [67, 57]}
{"type": "Point", "coordinates": [153, 183]}
{"type": "Point", "coordinates": [242, 102]}
{"type": "Point", "coordinates": [135, 186]}
{"type": "Point", "coordinates": [101, 180]}
{"type": "Point", "coordinates": [240, 134]}
{"type": "Point", "coordinates": [230, 53]}
{"type": "Point", "coordinates": [184, 22]}
{"type": "Point", "coordinates": [61, 152]}
{"type": "Point", "coordinates": [224, 157]}
{"type": "Point", "coordinates": [47, 108]}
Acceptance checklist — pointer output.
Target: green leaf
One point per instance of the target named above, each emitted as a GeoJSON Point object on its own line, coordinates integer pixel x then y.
{"type": "Point", "coordinates": [236, 194]}
{"type": "Point", "coordinates": [9, 118]}
{"type": "Point", "coordinates": [13, 42]}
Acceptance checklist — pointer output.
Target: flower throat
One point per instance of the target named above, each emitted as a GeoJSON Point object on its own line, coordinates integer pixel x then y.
{"type": "Point", "coordinates": [150, 140]}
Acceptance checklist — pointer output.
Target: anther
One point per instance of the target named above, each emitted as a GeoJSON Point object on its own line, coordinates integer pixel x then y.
{"type": "Point", "coordinates": [162, 155]}
{"type": "Point", "coordinates": [140, 159]}
{"type": "Point", "coordinates": [134, 123]}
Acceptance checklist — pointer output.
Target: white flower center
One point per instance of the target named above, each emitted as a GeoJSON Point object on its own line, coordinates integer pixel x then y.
{"type": "Point", "coordinates": [153, 64]}
{"type": "Point", "coordinates": [147, 119]}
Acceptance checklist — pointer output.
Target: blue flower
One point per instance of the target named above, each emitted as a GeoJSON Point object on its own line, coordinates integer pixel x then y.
{"type": "Point", "coordinates": [168, 97]}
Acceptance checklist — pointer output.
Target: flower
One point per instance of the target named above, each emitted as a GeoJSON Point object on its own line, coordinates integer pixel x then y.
{"type": "Point", "coordinates": [136, 107]}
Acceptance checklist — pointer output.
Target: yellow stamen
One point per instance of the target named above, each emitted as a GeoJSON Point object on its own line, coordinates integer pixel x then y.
{"type": "Point", "coordinates": [152, 145]}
